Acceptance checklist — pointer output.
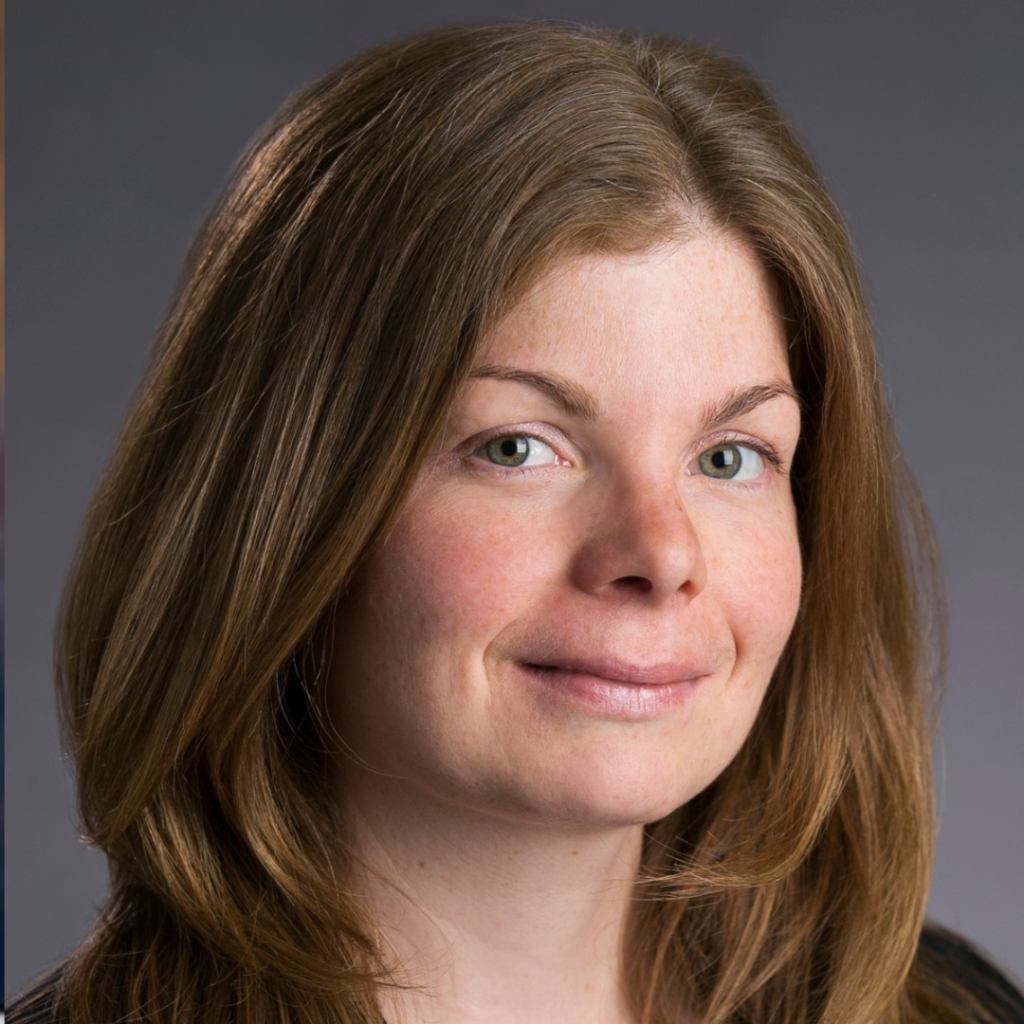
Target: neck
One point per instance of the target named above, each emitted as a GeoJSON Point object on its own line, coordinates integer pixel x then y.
{"type": "Point", "coordinates": [492, 919]}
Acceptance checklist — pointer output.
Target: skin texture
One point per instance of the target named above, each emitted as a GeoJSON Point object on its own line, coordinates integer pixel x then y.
{"type": "Point", "coordinates": [542, 658]}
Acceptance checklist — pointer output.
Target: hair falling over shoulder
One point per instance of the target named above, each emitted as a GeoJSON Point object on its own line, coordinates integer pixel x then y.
{"type": "Point", "coordinates": [328, 311]}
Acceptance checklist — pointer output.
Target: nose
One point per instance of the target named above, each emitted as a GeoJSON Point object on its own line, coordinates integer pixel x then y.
{"type": "Point", "coordinates": [642, 543]}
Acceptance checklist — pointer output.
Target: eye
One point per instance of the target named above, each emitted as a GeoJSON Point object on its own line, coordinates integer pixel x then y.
{"type": "Point", "coordinates": [515, 450]}
{"type": "Point", "coordinates": [730, 462]}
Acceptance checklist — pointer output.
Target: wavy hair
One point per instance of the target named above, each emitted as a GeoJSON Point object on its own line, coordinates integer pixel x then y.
{"type": "Point", "coordinates": [329, 309]}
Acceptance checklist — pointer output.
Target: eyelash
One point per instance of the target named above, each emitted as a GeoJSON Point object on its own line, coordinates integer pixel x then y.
{"type": "Point", "coordinates": [763, 448]}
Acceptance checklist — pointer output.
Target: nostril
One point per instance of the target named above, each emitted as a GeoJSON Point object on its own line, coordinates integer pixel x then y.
{"type": "Point", "coordinates": [640, 583]}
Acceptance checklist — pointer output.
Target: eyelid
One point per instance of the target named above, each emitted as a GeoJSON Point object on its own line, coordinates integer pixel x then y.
{"type": "Point", "coordinates": [534, 428]}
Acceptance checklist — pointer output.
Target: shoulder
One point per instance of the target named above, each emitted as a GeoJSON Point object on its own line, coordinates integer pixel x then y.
{"type": "Point", "coordinates": [965, 980]}
{"type": "Point", "coordinates": [36, 1004]}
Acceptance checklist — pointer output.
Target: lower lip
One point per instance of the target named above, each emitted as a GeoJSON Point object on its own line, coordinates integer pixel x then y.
{"type": "Point", "coordinates": [610, 697]}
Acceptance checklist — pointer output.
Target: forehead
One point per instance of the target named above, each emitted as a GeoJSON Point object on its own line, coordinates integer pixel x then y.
{"type": "Point", "coordinates": [699, 313]}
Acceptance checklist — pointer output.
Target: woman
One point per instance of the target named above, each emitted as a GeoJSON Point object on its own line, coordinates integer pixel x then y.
{"type": "Point", "coordinates": [505, 602]}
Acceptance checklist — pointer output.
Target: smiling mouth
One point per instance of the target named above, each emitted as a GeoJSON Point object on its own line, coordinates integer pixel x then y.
{"type": "Point", "coordinates": [615, 689]}
{"type": "Point", "coordinates": [621, 673]}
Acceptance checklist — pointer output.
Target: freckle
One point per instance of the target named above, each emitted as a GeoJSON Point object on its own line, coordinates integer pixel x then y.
{"type": "Point", "coordinates": [574, 852]}
{"type": "Point", "coordinates": [423, 864]}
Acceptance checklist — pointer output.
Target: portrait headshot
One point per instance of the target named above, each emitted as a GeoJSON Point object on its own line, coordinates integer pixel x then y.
{"type": "Point", "coordinates": [511, 516]}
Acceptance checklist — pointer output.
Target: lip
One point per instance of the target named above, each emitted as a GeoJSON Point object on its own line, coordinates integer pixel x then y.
{"type": "Point", "coordinates": [616, 688]}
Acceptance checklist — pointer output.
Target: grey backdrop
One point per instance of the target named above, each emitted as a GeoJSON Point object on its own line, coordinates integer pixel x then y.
{"type": "Point", "coordinates": [124, 118]}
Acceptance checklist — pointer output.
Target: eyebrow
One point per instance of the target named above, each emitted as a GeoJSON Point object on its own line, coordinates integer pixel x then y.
{"type": "Point", "coordinates": [569, 396]}
{"type": "Point", "coordinates": [575, 400]}
{"type": "Point", "coordinates": [744, 400]}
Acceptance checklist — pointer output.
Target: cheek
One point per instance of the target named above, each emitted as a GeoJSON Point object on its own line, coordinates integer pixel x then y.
{"type": "Point", "coordinates": [754, 577]}
{"type": "Point", "coordinates": [407, 688]}
{"type": "Point", "coordinates": [757, 573]}
{"type": "Point", "coordinates": [452, 572]}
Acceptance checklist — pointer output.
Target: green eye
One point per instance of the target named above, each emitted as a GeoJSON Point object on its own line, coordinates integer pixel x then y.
{"type": "Point", "coordinates": [514, 450]}
{"type": "Point", "coordinates": [730, 462]}
{"type": "Point", "coordinates": [508, 451]}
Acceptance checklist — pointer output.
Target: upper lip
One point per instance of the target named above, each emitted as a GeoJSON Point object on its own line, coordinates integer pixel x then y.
{"type": "Point", "coordinates": [623, 671]}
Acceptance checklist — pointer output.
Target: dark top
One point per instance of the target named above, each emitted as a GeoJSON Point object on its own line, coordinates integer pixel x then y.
{"type": "Point", "coordinates": [958, 977]}
{"type": "Point", "coordinates": [955, 969]}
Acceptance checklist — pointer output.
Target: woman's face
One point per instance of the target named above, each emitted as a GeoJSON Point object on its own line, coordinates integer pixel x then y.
{"type": "Point", "coordinates": [579, 609]}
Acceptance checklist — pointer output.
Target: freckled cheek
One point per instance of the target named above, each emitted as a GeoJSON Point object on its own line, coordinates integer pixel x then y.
{"type": "Point", "coordinates": [757, 576]}
{"type": "Point", "coordinates": [467, 571]}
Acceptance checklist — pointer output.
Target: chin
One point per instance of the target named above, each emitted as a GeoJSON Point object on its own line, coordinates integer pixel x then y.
{"type": "Point", "coordinates": [616, 795]}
